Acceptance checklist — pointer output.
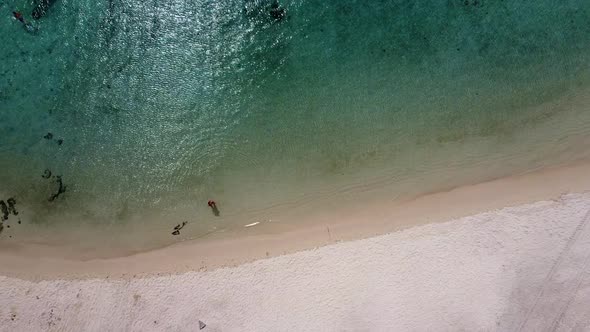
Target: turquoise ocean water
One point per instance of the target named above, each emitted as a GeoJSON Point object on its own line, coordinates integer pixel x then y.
{"type": "Point", "coordinates": [264, 107]}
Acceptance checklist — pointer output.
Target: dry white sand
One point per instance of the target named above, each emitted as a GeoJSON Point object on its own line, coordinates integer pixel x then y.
{"type": "Point", "coordinates": [519, 268]}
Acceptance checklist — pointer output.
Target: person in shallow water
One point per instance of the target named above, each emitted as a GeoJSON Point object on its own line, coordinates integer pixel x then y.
{"type": "Point", "coordinates": [213, 207]}
{"type": "Point", "coordinates": [19, 17]}
{"type": "Point", "coordinates": [26, 24]}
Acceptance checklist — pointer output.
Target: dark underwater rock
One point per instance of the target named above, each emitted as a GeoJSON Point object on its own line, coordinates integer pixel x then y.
{"type": "Point", "coordinates": [178, 227]}
{"type": "Point", "coordinates": [277, 12]}
{"type": "Point", "coordinates": [61, 189]}
{"type": "Point", "coordinates": [12, 206]}
{"type": "Point", "coordinates": [41, 8]}
{"type": "Point", "coordinates": [4, 210]}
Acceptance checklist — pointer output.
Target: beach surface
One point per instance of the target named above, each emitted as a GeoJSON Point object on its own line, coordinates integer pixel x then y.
{"type": "Point", "coordinates": [524, 267]}
{"type": "Point", "coordinates": [520, 268]}
{"type": "Point", "coordinates": [371, 214]}
{"type": "Point", "coordinates": [377, 166]}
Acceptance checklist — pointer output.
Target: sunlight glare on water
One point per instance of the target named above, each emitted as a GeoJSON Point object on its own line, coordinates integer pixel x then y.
{"type": "Point", "coordinates": [162, 105]}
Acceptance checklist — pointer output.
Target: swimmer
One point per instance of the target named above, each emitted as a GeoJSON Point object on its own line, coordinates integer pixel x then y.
{"type": "Point", "coordinates": [26, 24]}
{"type": "Point", "coordinates": [19, 17]}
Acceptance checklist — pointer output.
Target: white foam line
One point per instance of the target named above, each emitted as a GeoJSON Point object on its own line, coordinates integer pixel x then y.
{"type": "Point", "coordinates": [252, 224]}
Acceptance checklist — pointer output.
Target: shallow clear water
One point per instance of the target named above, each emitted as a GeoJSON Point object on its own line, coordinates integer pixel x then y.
{"type": "Point", "coordinates": [162, 105]}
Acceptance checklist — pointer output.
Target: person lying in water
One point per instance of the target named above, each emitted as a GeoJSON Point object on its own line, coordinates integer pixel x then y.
{"type": "Point", "coordinates": [27, 25]}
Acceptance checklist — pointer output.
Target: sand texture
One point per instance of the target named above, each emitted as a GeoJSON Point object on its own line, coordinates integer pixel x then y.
{"type": "Point", "coordinates": [524, 267]}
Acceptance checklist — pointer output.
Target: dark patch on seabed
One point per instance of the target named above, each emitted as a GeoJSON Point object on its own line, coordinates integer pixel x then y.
{"type": "Point", "coordinates": [61, 188]}
{"type": "Point", "coordinates": [178, 227]}
{"type": "Point", "coordinates": [266, 11]}
{"type": "Point", "coordinates": [41, 8]}
{"type": "Point", "coordinates": [6, 209]}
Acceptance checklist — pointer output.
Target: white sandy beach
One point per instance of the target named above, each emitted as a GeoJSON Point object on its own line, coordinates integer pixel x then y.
{"type": "Point", "coordinates": [520, 268]}
{"type": "Point", "coordinates": [525, 267]}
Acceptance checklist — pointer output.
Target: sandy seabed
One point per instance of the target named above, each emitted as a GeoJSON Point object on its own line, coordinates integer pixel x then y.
{"type": "Point", "coordinates": [519, 268]}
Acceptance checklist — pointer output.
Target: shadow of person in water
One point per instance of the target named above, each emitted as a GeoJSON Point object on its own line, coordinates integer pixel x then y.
{"type": "Point", "coordinates": [213, 207]}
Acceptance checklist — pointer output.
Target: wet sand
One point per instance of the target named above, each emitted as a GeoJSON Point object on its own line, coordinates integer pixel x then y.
{"type": "Point", "coordinates": [275, 238]}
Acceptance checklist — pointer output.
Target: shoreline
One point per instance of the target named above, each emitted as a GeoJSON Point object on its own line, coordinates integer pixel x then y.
{"type": "Point", "coordinates": [336, 224]}
{"type": "Point", "coordinates": [526, 263]}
